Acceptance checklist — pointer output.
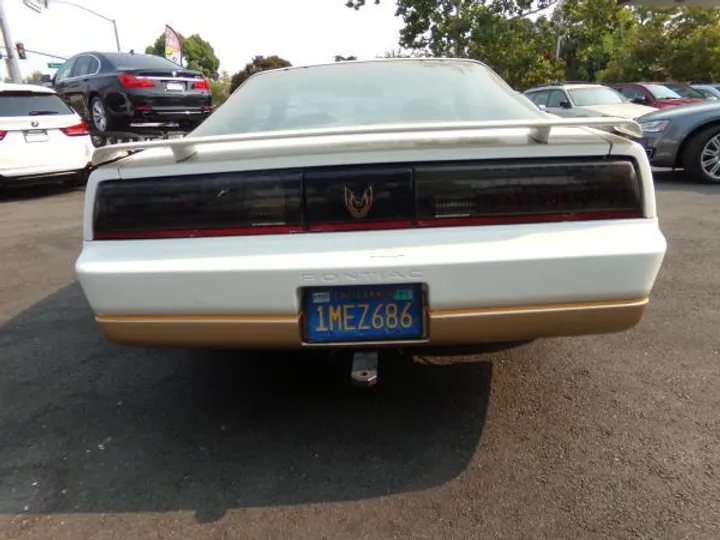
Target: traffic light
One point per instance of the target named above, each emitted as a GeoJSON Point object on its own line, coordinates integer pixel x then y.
{"type": "Point", "coordinates": [20, 48]}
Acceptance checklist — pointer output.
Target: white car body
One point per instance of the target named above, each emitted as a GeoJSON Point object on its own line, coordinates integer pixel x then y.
{"type": "Point", "coordinates": [55, 146]}
{"type": "Point", "coordinates": [482, 284]}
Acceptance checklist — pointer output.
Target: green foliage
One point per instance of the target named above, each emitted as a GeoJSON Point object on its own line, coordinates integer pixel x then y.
{"type": "Point", "coordinates": [197, 52]}
{"type": "Point", "coordinates": [357, 4]}
{"type": "Point", "coordinates": [34, 78]}
{"type": "Point", "coordinates": [599, 39]}
{"type": "Point", "coordinates": [220, 88]}
{"type": "Point", "coordinates": [259, 63]}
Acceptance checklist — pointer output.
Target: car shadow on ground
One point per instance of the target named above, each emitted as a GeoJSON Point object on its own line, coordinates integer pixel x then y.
{"type": "Point", "coordinates": [95, 428]}
{"type": "Point", "coordinates": [24, 193]}
{"type": "Point", "coordinates": [669, 180]}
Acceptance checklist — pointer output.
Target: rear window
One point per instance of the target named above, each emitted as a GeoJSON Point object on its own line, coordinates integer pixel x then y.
{"type": "Point", "coordinates": [684, 90]}
{"type": "Point", "coordinates": [584, 97]}
{"type": "Point", "coordinates": [355, 94]}
{"type": "Point", "coordinates": [13, 104]}
{"type": "Point", "coordinates": [139, 61]}
{"type": "Point", "coordinates": [662, 92]}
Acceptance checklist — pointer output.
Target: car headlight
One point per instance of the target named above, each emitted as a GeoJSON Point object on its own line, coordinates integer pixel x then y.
{"type": "Point", "coordinates": [657, 126]}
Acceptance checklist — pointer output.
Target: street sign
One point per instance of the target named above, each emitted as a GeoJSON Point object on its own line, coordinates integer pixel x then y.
{"type": "Point", "coordinates": [54, 65]}
{"type": "Point", "coordinates": [36, 5]}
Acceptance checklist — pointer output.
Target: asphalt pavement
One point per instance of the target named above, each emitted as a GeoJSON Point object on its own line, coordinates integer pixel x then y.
{"type": "Point", "coordinates": [600, 437]}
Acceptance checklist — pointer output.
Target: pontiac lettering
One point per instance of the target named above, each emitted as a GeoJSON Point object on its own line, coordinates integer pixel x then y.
{"type": "Point", "coordinates": [363, 277]}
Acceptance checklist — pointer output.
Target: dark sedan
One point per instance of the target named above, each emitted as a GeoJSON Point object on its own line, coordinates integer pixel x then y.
{"type": "Point", "coordinates": [113, 90]}
{"type": "Point", "coordinates": [685, 137]}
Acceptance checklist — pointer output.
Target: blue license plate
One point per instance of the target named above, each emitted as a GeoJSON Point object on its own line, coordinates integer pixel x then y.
{"type": "Point", "coordinates": [363, 313]}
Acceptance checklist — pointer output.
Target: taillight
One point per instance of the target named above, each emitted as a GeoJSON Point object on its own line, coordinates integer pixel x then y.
{"type": "Point", "coordinates": [486, 194]}
{"type": "Point", "coordinates": [2, 134]}
{"type": "Point", "coordinates": [229, 204]}
{"type": "Point", "coordinates": [76, 130]}
{"type": "Point", "coordinates": [129, 80]}
{"type": "Point", "coordinates": [369, 197]}
{"type": "Point", "coordinates": [202, 85]}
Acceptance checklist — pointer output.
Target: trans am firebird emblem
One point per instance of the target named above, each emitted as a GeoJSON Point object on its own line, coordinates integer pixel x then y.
{"type": "Point", "coordinates": [359, 206]}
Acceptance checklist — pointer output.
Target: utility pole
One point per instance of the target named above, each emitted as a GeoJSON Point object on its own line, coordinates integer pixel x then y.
{"type": "Point", "coordinates": [11, 56]}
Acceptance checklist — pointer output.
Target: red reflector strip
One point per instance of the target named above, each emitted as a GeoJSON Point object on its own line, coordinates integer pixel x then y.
{"type": "Point", "coordinates": [195, 233]}
{"type": "Point", "coordinates": [526, 219]}
{"type": "Point", "coordinates": [371, 226]}
{"type": "Point", "coordinates": [2, 134]}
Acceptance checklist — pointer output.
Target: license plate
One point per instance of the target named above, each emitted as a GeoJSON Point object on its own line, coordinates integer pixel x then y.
{"type": "Point", "coordinates": [175, 87]}
{"type": "Point", "coordinates": [36, 135]}
{"type": "Point", "coordinates": [363, 313]}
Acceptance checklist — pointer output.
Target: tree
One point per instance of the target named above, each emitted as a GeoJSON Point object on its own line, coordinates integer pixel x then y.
{"type": "Point", "coordinates": [36, 77]}
{"type": "Point", "coordinates": [258, 64]}
{"type": "Point", "coordinates": [198, 54]}
{"type": "Point", "coordinates": [357, 4]}
{"type": "Point", "coordinates": [404, 53]}
{"type": "Point", "coordinates": [590, 29]}
{"type": "Point", "coordinates": [677, 43]}
{"type": "Point", "coordinates": [220, 88]}
{"type": "Point", "coordinates": [447, 27]}
{"type": "Point", "coordinates": [600, 40]}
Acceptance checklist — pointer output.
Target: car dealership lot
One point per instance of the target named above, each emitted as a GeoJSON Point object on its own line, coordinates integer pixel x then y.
{"type": "Point", "coordinates": [601, 437]}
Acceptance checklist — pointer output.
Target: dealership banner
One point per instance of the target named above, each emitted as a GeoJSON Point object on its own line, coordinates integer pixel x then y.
{"type": "Point", "coordinates": [173, 47]}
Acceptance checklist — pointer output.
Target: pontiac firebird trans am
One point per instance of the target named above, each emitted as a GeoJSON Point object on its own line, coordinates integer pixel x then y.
{"type": "Point", "coordinates": [386, 203]}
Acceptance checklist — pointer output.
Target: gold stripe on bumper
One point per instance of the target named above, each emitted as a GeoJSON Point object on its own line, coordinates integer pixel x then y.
{"type": "Point", "coordinates": [463, 327]}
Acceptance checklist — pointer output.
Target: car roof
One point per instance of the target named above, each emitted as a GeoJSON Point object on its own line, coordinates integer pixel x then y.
{"type": "Point", "coordinates": [14, 87]}
{"type": "Point", "coordinates": [561, 85]}
{"type": "Point", "coordinates": [429, 59]}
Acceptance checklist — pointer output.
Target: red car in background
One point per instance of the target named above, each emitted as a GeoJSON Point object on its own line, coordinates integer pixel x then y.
{"type": "Point", "coordinates": [659, 94]}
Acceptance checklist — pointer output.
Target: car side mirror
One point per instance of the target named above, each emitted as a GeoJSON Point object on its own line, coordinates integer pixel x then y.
{"type": "Point", "coordinates": [565, 104]}
{"type": "Point", "coordinates": [639, 100]}
{"type": "Point", "coordinates": [542, 107]}
{"type": "Point", "coordinates": [46, 78]}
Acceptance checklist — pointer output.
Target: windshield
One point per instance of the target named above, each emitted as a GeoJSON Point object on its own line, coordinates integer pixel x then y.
{"type": "Point", "coordinates": [662, 92]}
{"type": "Point", "coordinates": [583, 97]}
{"type": "Point", "coordinates": [21, 103]}
{"type": "Point", "coordinates": [341, 95]}
{"type": "Point", "coordinates": [707, 93]}
{"type": "Point", "coordinates": [685, 91]}
{"type": "Point", "coordinates": [139, 61]}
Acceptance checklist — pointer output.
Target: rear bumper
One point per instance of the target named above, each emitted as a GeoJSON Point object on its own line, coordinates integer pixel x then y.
{"type": "Point", "coordinates": [43, 175]}
{"type": "Point", "coordinates": [446, 328]}
{"type": "Point", "coordinates": [484, 284]}
{"type": "Point", "coordinates": [662, 151]}
{"type": "Point", "coordinates": [140, 107]}
{"type": "Point", "coordinates": [169, 114]}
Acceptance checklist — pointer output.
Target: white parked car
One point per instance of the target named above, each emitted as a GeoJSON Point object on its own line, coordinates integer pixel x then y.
{"type": "Point", "coordinates": [573, 100]}
{"type": "Point", "coordinates": [41, 138]}
{"type": "Point", "coordinates": [401, 203]}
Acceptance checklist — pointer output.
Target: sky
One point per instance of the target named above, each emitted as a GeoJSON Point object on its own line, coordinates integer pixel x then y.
{"type": "Point", "coordinates": [301, 31]}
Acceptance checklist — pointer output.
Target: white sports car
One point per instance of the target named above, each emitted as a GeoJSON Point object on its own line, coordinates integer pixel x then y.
{"type": "Point", "coordinates": [386, 203]}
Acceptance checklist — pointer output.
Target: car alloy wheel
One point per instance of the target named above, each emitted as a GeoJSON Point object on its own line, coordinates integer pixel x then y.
{"type": "Point", "coordinates": [99, 115]}
{"type": "Point", "coordinates": [710, 158]}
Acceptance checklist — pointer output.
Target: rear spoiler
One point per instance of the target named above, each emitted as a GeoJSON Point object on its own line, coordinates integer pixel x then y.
{"type": "Point", "coordinates": [540, 128]}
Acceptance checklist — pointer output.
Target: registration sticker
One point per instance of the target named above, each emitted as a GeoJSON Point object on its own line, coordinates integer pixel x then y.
{"type": "Point", "coordinates": [321, 298]}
